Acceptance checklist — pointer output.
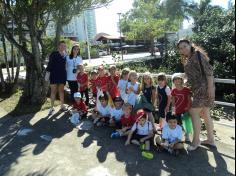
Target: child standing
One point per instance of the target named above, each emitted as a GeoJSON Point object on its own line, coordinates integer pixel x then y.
{"type": "Point", "coordinates": [127, 121]}
{"type": "Point", "coordinates": [133, 88]}
{"type": "Point", "coordinates": [113, 80]}
{"type": "Point", "coordinates": [116, 112]}
{"type": "Point", "coordinates": [101, 82]}
{"type": "Point", "coordinates": [141, 132]}
{"type": "Point", "coordinates": [94, 76]}
{"type": "Point", "coordinates": [172, 134]}
{"type": "Point", "coordinates": [122, 85]}
{"type": "Point", "coordinates": [82, 79]}
{"type": "Point", "coordinates": [164, 97]}
{"type": "Point", "coordinates": [181, 99]}
{"type": "Point", "coordinates": [103, 111]}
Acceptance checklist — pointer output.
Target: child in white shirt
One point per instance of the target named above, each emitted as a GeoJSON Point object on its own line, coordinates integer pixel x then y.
{"type": "Point", "coordinates": [122, 85]}
{"type": "Point", "coordinates": [141, 132]}
{"type": "Point", "coordinates": [172, 136]}
{"type": "Point", "coordinates": [116, 112]}
{"type": "Point", "coordinates": [133, 88]}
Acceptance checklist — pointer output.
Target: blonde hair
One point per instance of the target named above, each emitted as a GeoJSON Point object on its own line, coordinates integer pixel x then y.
{"type": "Point", "coordinates": [194, 49]}
{"type": "Point", "coordinates": [124, 72]}
{"type": "Point", "coordinates": [133, 73]}
{"type": "Point", "coordinates": [127, 105]}
{"type": "Point", "coordinates": [146, 74]}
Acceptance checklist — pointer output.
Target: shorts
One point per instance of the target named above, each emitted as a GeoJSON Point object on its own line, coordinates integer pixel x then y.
{"type": "Point", "coordinates": [162, 113]}
{"type": "Point", "coordinates": [139, 137]}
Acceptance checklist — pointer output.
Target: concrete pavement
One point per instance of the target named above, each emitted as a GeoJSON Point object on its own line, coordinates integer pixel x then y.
{"type": "Point", "coordinates": [93, 153]}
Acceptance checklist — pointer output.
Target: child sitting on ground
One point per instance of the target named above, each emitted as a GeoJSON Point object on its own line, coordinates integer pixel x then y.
{"type": "Point", "coordinates": [141, 132]}
{"type": "Point", "coordinates": [127, 121]}
{"type": "Point", "coordinates": [172, 134]}
{"type": "Point", "coordinates": [133, 88]}
{"type": "Point", "coordinates": [82, 79]}
{"type": "Point", "coordinates": [181, 99]}
{"type": "Point", "coordinates": [164, 98]}
{"type": "Point", "coordinates": [112, 82]}
{"type": "Point", "coordinates": [122, 85]}
{"type": "Point", "coordinates": [102, 113]}
{"type": "Point", "coordinates": [79, 109]}
{"type": "Point", "coordinates": [116, 112]}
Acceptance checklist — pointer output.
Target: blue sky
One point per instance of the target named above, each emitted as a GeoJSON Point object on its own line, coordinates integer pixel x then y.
{"type": "Point", "coordinates": [107, 18]}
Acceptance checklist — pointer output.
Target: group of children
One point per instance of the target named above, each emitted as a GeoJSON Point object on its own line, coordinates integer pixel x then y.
{"type": "Point", "coordinates": [129, 106]}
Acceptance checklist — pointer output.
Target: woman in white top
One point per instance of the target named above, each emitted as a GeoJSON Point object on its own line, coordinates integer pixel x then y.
{"type": "Point", "coordinates": [72, 63]}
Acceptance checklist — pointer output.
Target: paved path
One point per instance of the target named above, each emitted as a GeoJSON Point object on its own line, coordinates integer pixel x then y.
{"type": "Point", "coordinates": [93, 153]}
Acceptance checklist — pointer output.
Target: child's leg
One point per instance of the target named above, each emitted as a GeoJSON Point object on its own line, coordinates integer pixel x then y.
{"type": "Point", "coordinates": [87, 97]}
{"type": "Point", "coordinates": [158, 140]}
{"type": "Point", "coordinates": [152, 120]}
{"type": "Point", "coordinates": [147, 145]}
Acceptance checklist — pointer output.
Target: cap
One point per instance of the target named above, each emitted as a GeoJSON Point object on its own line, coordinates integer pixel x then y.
{"type": "Point", "coordinates": [177, 76]}
{"type": "Point", "coordinates": [118, 99]}
{"type": "Point", "coordinates": [77, 95]}
{"type": "Point", "coordinates": [140, 114]}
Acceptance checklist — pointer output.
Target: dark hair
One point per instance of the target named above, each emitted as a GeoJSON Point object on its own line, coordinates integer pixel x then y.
{"type": "Point", "coordinates": [62, 42]}
{"type": "Point", "coordinates": [72, 54]}
{"type": "Point", "coordinates": [194, 48]}
{"type": "Point", "coordinates": [103, 97]}
{"type": "Point", "coordinates": [162, 77]}
{"type": "Point", "coordinates": [170, 116]}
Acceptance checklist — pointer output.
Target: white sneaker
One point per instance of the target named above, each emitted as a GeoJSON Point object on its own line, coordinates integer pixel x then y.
{"type": "Point", "coordinates": [63, 108]}
{"type": "Point", "coordinates": [193, 147]}
{"type": "Point", "coordinates": [51, 111]}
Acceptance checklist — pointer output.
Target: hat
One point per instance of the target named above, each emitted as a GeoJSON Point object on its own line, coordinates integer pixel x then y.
{"type": "Point", "coordinates": [77, 95]}
{"type": "Point", "coordinates": [118, 99]}
{"type": "Point", "coordinates": [140, 114]}
{"type": "Point", "coordinates": [177, 76]}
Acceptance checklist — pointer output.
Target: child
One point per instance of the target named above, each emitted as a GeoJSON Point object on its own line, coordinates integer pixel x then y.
{"type": "Point", "coordinates": [133, 88]}
{"type": "Point", "coordinates": [116, 112]}
{"type": "Point", "coordinates": [122, 85]}
{"type": "Point", "coordinates": [94, 76]}
{"type": "Point", "coordinates": [127, 121]}
{"type": "Point", "coordinates": [164, 97]}
{"type": "Point", "coordinates": [101, 82]}
{"type": "Point", "coordinates": [79, 109]}
{"type": "Point", "coordinates": [141, 132]}
{"type": "Point", "coordinates": [102, 114]}
{"type": "Point", "coordinates": [171, 136]}
{"type": "Point", "coordinates": [149, 92]}
{"type": "Point", "coordinates": [112, 83]}
{"type": "Point", "coordinates": [181, 99]}
{"type": "Point", "coordinates": [82, 79]}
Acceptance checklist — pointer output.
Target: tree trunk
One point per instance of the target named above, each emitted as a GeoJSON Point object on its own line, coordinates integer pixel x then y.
{"type": "Point", "coordinates": [59, 29]}
{"type": "Point", "coordinates": [152, 47]}
{"type": "Point", "coordinates": [17, 71]}
{"type": "Point", "coordinates": [3, 86]}
{"type": "Point", "coordinates": [5, 57]}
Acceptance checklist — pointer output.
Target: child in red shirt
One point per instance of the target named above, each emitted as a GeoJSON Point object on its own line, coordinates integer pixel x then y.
{"type": "Point", "coordinates": [94, 76]}
{"type": "Point", "coordinates": [181, 98]}
{"type": "Point", "coordinates": [102, 79]}
{"type": "Point", "coordinates": [82, 79]}
{"type": "Point", "coordinates": [79, 106]}
{"type": "Point", "coordinates": [113, 81]}
{"type": "Point", "coordinates": [127, 121]}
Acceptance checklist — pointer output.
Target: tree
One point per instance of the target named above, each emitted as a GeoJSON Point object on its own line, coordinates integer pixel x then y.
{"type": "Point", "coordinates": [146, 22]}
{"type": "Point", "coordinates": [31, 18]}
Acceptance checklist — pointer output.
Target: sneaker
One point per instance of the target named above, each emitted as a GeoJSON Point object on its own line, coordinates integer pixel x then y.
{"type": "Point", "coordinates": [99, 124]}
{"type": "Point", "coordinates": [51, 111]}
{"type": "Point", "coordinates": [135, 142]}
{"type": "Point", "coordinates": [115, 135]}
{"type": "Point", "coordinates": [63, 108]}
{"type": "Point", "coordinates": [96, 121]}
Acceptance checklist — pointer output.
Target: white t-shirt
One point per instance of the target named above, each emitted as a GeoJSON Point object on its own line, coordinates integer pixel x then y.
{"type": "Point", "coordinates": [105, 111]}
{"type": "Point", "coordinates": [117, 113]}
{"type": "Point", "coordinates": [70, 65]}
{"type": "Point", "coordinates": [172, 134]}
{"type": "Point", "coordinates": [168, 90]}
{"type": "Point", "coordinates": [132, 96]}
{"type": "Point", "coordinates": [122, 87]}
{"type": "Point", "coordinates": [143, 130]}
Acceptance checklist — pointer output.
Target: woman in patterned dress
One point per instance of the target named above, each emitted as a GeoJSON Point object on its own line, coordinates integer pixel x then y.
{"type": "Point", "coordinates": [201, 81]}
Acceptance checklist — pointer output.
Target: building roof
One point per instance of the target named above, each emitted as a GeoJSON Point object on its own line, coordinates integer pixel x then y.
{"type": "Point", "coordinates": [104, 36]}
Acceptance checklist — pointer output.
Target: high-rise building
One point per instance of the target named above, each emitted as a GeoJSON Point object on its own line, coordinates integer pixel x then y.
{"type": "Point", "coordinates": [76, 29]}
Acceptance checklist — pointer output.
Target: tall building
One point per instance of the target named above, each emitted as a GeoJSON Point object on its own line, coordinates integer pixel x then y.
{"type": "Point", "coordinates": [76, 29]}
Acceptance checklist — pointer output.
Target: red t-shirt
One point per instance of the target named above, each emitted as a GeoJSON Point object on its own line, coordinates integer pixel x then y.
{"type": "Point", "coordinates": [128, 122]}
{"type": "Point", "coordinates": [93, 86]}
{"type": "Point", "coordinates": [82, 79]}
{"type": "Point", "coordinates": [101, 82]}
{"type": "Point", "coordinates": [113, 88]}
{"type": "Point", "coordinates": [181, 99]}
{"type": "Point", "coordinates": [80, 107]}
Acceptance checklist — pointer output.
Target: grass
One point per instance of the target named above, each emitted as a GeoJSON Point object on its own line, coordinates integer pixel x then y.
{"type": "Point", "coordinates": [10, 103]}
